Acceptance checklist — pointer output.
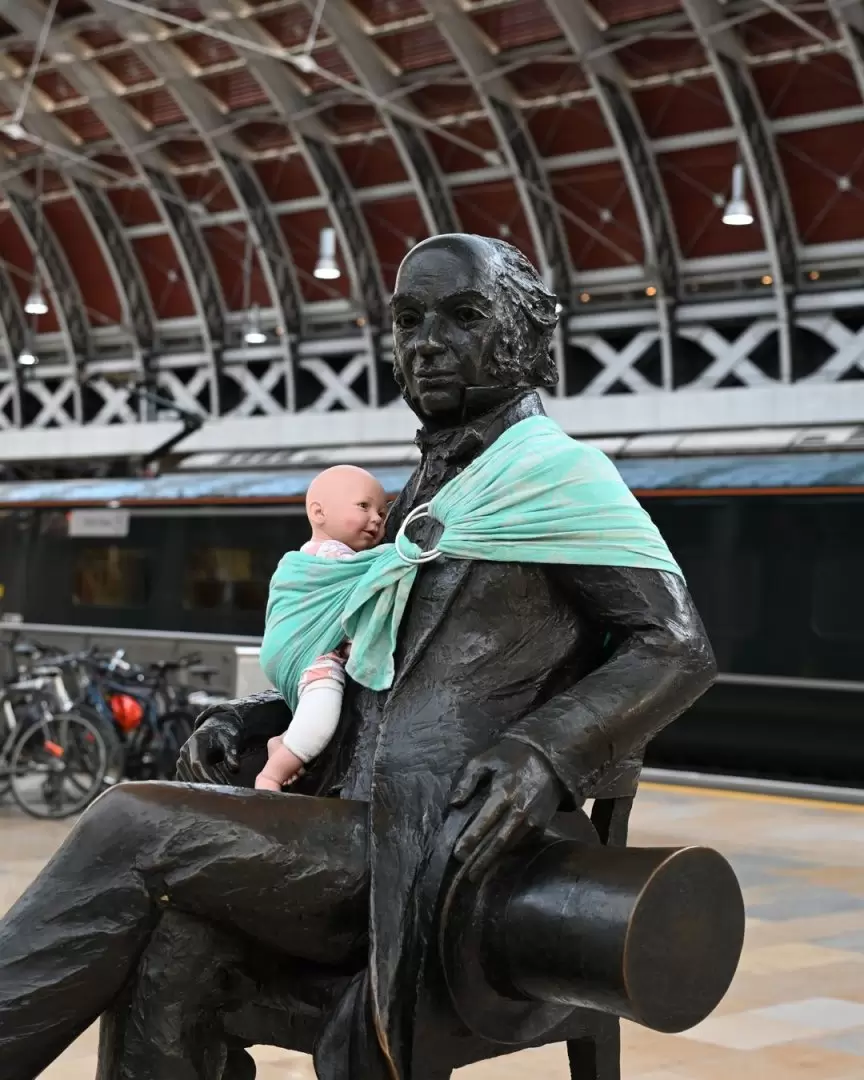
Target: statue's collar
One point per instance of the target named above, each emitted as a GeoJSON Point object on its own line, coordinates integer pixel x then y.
{"type": "Point", "coordinates": [464, 442]}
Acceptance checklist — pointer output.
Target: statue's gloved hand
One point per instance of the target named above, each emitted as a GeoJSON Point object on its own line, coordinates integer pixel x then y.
{"type": "Point", "coordinates": [211, 755]}
{"type": "Point", "coordinates": [523, 794]}
{"type": "Point", "coordinates": [224, 732]}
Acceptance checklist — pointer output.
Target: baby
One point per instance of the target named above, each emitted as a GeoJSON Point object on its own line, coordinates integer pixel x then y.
{"type": "Point", "coordinates": [346, 507]}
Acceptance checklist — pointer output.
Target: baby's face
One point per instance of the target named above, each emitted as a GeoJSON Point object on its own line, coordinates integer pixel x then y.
{"type": "Point", "coordinates": [356, 514]}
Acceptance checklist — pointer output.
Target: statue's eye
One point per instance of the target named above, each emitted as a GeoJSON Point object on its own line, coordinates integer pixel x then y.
{"type": "Point", "coordinates": [407, 319]}
{"type": "Point", "coordinates": [467, 314]}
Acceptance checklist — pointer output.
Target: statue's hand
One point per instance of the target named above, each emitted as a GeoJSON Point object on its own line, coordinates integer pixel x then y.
{"type": "Point", "coordinates": [523, 794]}
{"type": "Point", "coordinates": [211, 754]}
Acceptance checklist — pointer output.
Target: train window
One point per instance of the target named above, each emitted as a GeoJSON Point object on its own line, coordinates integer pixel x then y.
{"type": "Point", "coordinates": [232, 578]}
{"type": "Point", "coordinates": [838, 597]}
{"type": "Point", "coordinates": [728, 612]}
{"type": "Point", "coordinates": [110, 576]}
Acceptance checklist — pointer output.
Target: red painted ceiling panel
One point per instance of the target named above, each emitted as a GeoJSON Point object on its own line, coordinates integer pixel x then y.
{"type": "Point", "coordinates": [692, 179]}
{"type": "Point", "coordinates": [290, 27]}
{"type": "Point", "coordinates": [128, 68]}
{"type": "Point", "coordinates": [159, 264]}
{"type": "Point", "coordinates": [133, 205]}
{"type": "Point", "coordinates": [286, 178]}
{"type": "Point", "coordinates": [680, 110]}
{"type": "Point", "coordinates": [454, 157]}
{"type": "Point", "coordinates": [368, 164]}
{"type": "Point", "coordinates": [772, 31]}
{"type": "Point", "coordinates": [659, 55]}
{"type": "Point", "coordinates": [541, 78]}
{"type": "Point", "coordinates": [396, 226]}
{"type": "Point", "coordinates": [84, 123]}
{"type": "Point", "coordinates": [414, 50]}
{"type": "Point", "coordinates": [524, 23]}
{"type": "Point", "coordinates": [495, 210]}
{"type": "Point", "coordinates": [599, 216]}
{"type": "Point", "coordinates": [791, 89]}
{"type": "Point", "coordinates": [19, 261]}
{"type": "Point", "coordinates": [444, 99]}
{"type": "Point", "coordinates": [265, 135]}
{"type": "Point", "coordinates": [86, 262]}
{"type": "Point", "coordinates": [236, 90]}
{"type": "Point", "coordinates": [616, 12]}
{"type": "Point", "coordinates": [348, 118]}
{"type": "Point", "coordinates": [157, 107]}
{"type": "Point", "coordinates": [209, 189]}
{"type": "Point", "coordinates": [814, 162]}
{"type": "Point", "coordinates": [381, 12]}
{"type": "Point", "coordinates": [569, 129]}
{"type": "Point", "coordinates": [54, 86]}
{"type": "Point", "coordinates": [186, 151]}
{"type": "Point", "coordinates": [228, 251]}
{"type": "Point", "coordinates": [205, 51]}
{"type": "Point", "coordinates": [332, 60]}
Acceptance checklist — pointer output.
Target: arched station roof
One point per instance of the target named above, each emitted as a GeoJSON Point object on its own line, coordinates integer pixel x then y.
{"type": "Point", "coordinates": [151, 149]}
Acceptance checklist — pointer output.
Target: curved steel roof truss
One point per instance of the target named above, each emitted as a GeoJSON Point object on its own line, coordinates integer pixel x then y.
{"type": "Point", "coordinates": [515, 143]}
{"type": "Point", "coordinates": [322, 161]}
{"type": "Point", "coordinates": [55, 274]}
{"type": "Point", "coordinates": [757, 148]}
{"type": "Point", "coordinates": [638, 160]}
{"type": "Point", "coordinates": [199, 273]}
{"type": "Point", "coordinates": [125, 268]}
{"type": "Point", "coordinates": [413, 147]}
{"type": "Point", "coordinates": [849, 18]}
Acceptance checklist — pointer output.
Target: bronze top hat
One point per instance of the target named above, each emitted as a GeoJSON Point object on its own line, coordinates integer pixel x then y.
{"type": "Point", "coordinates": [653, 935]}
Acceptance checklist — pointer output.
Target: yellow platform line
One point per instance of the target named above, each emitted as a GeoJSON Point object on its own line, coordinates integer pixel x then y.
{"type": "Point", "coordinates": [753, 796]}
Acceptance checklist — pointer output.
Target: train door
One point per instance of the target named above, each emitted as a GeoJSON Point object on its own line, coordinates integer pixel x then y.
{"type": "Point", "coordinates": [15, 529]}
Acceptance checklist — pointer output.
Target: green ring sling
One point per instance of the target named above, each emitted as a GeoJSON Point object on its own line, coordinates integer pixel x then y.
{"type": "Point", "coordinates": [534, 496]}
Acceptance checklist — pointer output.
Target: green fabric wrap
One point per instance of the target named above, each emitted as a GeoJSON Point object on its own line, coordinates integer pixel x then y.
{"type": "Point", "coordinates": [535, 495]}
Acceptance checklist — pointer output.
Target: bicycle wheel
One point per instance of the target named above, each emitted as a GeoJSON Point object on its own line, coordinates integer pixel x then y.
{"type": "Point", "coordinates": [57, 766]}
{"type": "Point", "coordinates": [116, 769]}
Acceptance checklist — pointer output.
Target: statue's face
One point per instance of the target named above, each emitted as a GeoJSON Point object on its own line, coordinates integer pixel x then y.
{"type": "Point", "coordinates": [446, 312]}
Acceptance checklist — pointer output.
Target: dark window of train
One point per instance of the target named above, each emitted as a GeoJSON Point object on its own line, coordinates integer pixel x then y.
{"type": "Point", "coordinates": [111, 576]}
{"type": "Point", "coordinates": [838, 597]}
{"type": "Point", "coordinates": [226, 578]}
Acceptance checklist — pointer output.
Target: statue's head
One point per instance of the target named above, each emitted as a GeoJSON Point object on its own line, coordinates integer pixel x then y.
{"type": "Point", "coordinates": [469, 313]}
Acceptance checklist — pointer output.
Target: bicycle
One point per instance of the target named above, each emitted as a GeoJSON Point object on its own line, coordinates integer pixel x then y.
{"type": "Point", "coordinates": [53, 763]}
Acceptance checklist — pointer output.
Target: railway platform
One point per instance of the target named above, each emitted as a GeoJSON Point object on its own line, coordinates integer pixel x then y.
{"type": "Point", "coordinates": [796, 1008]}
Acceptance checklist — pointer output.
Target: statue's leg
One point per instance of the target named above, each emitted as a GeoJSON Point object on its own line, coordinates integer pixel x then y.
{"type": "Point", "coordinates": [288, 871]}
{"type": "Point", "coordinates": [163, 1025]}
{"type": "Point", "coordinates": [201, 994]}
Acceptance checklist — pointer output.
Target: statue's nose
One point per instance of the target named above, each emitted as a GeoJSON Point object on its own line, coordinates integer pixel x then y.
{"type": "Point", "coordinates": [428, 341]}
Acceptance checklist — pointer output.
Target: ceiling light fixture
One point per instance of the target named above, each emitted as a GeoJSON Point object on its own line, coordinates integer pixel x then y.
{"type": "Point", "coordinates": [327, 269]}
{"type": "Point", "coordinates": [584, 297]}
{"type": "Point", "coordinates": [651, 290]}
{"type": "Point", "coordinates": [27, 358]}
{"type": "Point", "coordinates": [767, 279]}
{"type": "Point", "coordinates": [252, 333]}
{"type": "Point", "coordinates": [738, 210]}
{"type": "Point", "coordinates": [14, 131]}
{"type": "Point", "coordinates": [36, 303]}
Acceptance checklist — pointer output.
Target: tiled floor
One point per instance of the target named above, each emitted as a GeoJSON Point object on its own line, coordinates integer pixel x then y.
{"type": "Point", "coordinates": [796, 1008]}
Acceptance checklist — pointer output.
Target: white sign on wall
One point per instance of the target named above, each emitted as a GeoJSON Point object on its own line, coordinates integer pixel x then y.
{"type": "Point", "coordinates": [94, 523]}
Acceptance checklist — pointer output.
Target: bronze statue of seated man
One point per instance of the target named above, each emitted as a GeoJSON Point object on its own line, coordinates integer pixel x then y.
{"type": "Point", "coordinates": [414, 901]}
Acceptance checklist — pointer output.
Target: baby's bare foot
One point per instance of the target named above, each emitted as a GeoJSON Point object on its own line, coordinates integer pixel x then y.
{"type": "Point", "coordinates": [266, 783]}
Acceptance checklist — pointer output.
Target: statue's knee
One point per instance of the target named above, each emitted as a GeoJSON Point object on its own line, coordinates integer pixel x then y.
{"type": "Point", "coordinates": [117, 813]}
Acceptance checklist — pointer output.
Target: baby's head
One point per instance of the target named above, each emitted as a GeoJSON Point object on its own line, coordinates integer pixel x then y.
{"type": "Point", "coordinates": [347, 504]}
